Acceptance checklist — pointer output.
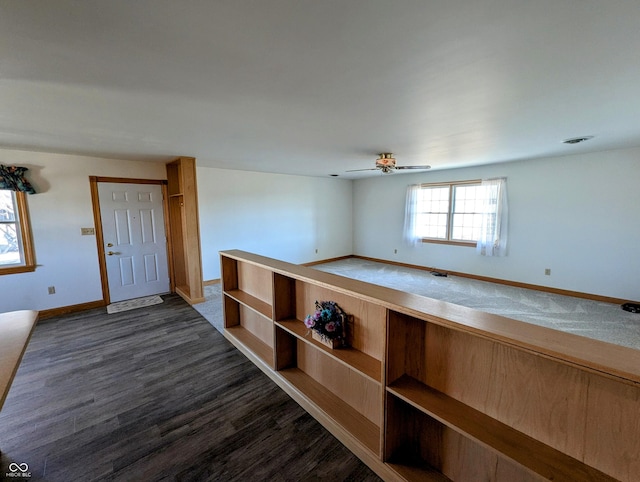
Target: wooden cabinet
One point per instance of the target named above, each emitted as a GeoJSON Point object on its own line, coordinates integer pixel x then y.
{"type": "Point", "coordinates": [185, 259]}
{"type": "Point", "coordinates": [433, 391]}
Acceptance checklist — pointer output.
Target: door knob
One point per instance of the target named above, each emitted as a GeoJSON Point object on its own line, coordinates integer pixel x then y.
{"type": "Point", "coordinates": [111, 253]}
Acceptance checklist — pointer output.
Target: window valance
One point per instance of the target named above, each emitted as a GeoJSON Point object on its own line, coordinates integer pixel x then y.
{"type": "Point", "coordinates": [12, 178]}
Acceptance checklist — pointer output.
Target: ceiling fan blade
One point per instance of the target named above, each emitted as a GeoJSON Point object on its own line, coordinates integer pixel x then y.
{"type": "Point", "coordinates": [413, 167]}
{"type": "Point", "coordinates": [356, 170]}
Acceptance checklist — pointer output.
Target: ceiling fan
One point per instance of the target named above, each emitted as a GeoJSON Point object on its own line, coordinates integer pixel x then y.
{"type": "Point", "coordinates": [386, 164]}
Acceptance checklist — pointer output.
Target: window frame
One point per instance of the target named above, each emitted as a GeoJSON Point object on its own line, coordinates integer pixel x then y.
{"type": "Point", "coordinates": [451, 185]}
{"type": "Point", "coordinates": [26, 247]}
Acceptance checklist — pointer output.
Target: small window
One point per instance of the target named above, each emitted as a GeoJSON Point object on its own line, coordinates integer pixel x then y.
{"type": "Point", "coordinates": [16, 250]}
{"type": "Point", "coordinates": [451, 212]}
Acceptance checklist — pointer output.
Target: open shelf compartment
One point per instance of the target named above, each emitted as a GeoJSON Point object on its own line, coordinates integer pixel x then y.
{"type": "Point", "coordinates": [355, 359]}
{"type": "Point", "coordinates": [248, 284]}
{"type": "Point", "coordinates": [249, 330]}
{"type": "Point", "coordinates": [493, 434]}
{"type": "Point", "coordinates": [251, 302]}
{"type": "Point", "coordinates": [250, 344]}
{"type": "Point", "coordinates": [332, 409]}
{"type": "Point", "coordinates": [452, 380]}
{"type": "Point", "coordinates": [419, 447]}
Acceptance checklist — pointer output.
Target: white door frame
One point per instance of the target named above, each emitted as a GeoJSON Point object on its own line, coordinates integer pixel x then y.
{"type": "Point", "coordinates": [95, 201]}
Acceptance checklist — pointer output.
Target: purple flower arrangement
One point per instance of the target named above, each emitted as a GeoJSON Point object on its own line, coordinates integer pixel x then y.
{"type": "Point", "coordinates": [328, 321]}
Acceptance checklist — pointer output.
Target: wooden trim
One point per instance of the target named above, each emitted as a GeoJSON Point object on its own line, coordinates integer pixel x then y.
{"type": "Point", "coordinates": [167, 235]}
{"type": "Point", "coordinates": [393, 263]}
{"type": "Point", "coordinates": [28, 252]}
{"type": "Point", "coordinates": [25, 229]}
{"type": "Point", "coordinates": [185, 295]}
{"type": "Point", "coordinates": [64, 310]}
{"type": "Point", "coordinates": [517, 284]}
{"type": "Point", "coordinates": [211, 282]}
{"type": "Point", "coordinates": [328, 260]}
{"type": "Point", "coordinates": [97, 222]}
{"type": "Point", "coordinates": [125, 180]}
{"type": "Point", "coordinates": [17, 269]}
{"type": "Point", "coordinates": [547, 289]}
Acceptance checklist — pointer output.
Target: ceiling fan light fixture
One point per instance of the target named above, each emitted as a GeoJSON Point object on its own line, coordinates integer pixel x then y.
{"type": "Point", "coordinates": [387, 160]}
{"type": "Point", "coordinates": [386, 164]}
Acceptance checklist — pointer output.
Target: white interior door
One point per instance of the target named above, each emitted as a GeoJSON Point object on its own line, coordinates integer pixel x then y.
{"type": "Point", "coordinates": [135, 244]}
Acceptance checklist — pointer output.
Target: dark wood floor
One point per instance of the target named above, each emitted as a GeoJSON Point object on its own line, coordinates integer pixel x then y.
{"type": "Point", "coordinates": [157, 394]}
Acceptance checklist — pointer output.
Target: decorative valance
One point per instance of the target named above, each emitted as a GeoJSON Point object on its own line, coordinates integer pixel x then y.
{"type": "Point", "coordinates": [12, 178]}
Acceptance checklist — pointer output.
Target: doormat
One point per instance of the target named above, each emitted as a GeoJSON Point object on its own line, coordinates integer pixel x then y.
{"type": "Point", "coordinates": [133, 304]}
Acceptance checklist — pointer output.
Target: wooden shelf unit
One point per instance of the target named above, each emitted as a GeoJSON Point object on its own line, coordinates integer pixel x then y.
{"type": "Point", "coordinates": [434, 391]}
{"type": "Point", "coordinates": [184, 225]}
{"type": "Point", "coordinates": [342, 388]}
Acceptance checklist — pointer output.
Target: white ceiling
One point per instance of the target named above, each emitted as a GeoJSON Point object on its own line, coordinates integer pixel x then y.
{"type": "Point", "coordinates": [316, 87]}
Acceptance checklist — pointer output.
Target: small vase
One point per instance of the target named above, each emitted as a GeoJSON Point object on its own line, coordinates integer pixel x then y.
{"type": "Point", "coordinates": [328, 342]}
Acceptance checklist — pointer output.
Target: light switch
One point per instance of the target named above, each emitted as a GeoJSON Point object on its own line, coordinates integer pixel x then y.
{"type": "Point", "coordinates": [88, 231]}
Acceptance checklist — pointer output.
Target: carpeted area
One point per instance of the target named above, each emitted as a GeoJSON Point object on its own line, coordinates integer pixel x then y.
{"type": "Point", "coordinates": [211, 309]}
{"type": "Point", "coordinates": [593, 319]}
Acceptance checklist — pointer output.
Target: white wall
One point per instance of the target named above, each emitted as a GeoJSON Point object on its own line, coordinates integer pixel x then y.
{"type": "Point", "coordinates": [62, 206]}
{"type": "Point", "coordinates": [577, 215]}
{"type": "Point", "coordinates": [286, 217]}
{"type": "Point", "coordinates": [281, 216]}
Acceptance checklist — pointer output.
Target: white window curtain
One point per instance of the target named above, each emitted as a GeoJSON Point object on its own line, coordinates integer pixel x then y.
{"type": "Point", "coordinates": [410, 233]}
{"type": "Point", "coordinates": [493, 237]}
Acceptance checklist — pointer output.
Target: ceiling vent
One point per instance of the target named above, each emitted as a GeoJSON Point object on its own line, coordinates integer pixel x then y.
{"type": "Point", "coordinates": [577, 140]}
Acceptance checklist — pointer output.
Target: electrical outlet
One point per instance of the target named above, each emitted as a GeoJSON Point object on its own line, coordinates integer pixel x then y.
{"type": "Point", "coordinates": [547, 271]}
{"type": "Point", "coordinates": [316, 250]}
{"type": "Point", "coordinates": [52, 290]}
{"type": "Point", "coordinates": [395, 251]}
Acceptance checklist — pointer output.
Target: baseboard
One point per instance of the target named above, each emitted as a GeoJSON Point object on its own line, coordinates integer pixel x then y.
{"type": "Point", "coordinates": [65, 310]}
{"type": "Point", "coordinates": [185, 296]}
{"type": "Point", "coordinates": [328, 260]}
{"type": "Point", "coordinates": [517, 284]}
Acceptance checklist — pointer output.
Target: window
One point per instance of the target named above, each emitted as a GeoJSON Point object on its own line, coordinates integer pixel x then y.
{"type": "Point", "coordinates": [470, 213]}
{"type": "Point", "coordinates": [16, 250]}
{"type": "Point", "coordinates": [450, 213]}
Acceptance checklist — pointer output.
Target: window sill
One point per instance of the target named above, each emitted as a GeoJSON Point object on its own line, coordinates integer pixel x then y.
{"type": "Point", "coordinates": [17, 269]}
{"type": "Point", "coordinates": [452, 243]}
